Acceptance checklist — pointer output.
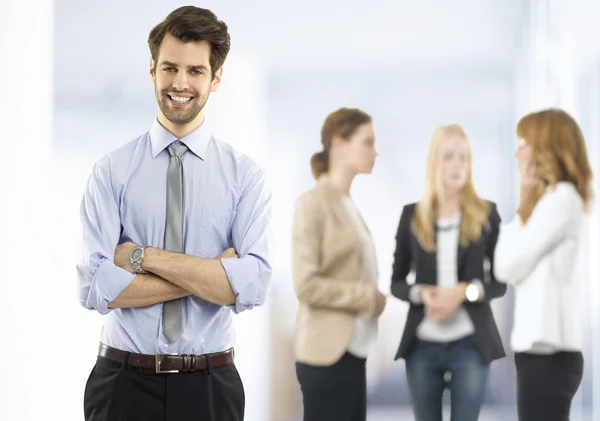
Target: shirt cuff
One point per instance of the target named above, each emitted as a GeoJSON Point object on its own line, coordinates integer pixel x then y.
{"type": "Point", "coordinates": [109, 281]}
{"type": "Point", "coordinates": [413, 294]}
{"type": "Point", "coordinates": [243, 275]}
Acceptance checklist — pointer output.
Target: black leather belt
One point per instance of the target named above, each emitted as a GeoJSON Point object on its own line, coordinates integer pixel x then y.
{"type": "Point", "coordinates": [168, 363]}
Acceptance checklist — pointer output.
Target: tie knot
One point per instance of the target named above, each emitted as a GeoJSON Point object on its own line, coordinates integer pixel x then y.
{"type": "Point", "coordinates": [177, 149]}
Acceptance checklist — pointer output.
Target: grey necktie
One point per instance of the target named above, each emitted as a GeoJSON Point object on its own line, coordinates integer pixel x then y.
{"type": "Point", "coordinates": [173, 310]}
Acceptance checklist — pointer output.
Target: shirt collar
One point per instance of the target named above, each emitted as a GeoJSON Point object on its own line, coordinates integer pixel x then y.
{"type": "Point", "coordinates": [197, 141]}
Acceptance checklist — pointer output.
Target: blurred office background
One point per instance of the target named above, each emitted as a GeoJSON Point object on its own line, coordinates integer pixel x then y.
{"type": "Point", "coordinates": [76, 84]}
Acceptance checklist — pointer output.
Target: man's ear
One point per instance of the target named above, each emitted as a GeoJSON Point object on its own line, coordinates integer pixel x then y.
{"type": "Point", "coordinates": [152, 70]}
{"type": "Point", "coordinates": [216, 82]}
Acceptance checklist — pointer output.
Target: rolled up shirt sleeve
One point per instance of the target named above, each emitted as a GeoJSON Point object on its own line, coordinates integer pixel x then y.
{"type": "Point", "coordinates": [99, 280]}
{"type": "Point", "coordinates": [250, 274]}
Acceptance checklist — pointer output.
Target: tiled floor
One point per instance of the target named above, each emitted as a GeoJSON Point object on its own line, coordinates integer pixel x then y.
{"type": "Point", "coordinates": [404, 413]}
{"type": "Point", "coordinates": [489, 413]}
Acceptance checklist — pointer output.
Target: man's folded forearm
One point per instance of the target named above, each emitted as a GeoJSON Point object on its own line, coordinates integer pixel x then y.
{"type": "Point", "coordinates": [205, 277]}
{"type": "Point", "coordinates": [146, 290]}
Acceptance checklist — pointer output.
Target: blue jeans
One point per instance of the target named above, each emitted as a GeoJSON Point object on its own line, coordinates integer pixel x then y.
{"type": "Point", "coordinates": [425, 368]}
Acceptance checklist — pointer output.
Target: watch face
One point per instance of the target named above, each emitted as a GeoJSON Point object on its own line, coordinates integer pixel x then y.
{"type": "Point", "coordinates": [472, 293]}
{"type": "Point", "coordinates": [136, 254]}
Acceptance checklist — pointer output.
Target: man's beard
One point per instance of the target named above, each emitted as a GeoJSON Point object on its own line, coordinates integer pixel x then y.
{"type": "Point", "coordinates": [184, 115]}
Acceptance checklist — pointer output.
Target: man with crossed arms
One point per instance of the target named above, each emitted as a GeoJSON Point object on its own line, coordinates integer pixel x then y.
{"type": "Point", "coordinates": [164, 220]}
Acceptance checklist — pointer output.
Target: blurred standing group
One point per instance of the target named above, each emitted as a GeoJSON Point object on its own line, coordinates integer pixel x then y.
{"type": "Point", "coordinates": [462, 257]}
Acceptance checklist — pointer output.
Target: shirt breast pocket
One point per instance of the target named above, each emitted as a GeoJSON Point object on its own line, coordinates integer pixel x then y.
{"type": "Point", "coordinates": [215, 233]}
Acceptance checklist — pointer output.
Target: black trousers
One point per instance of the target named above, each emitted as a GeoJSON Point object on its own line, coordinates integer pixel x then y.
{"type": "Point", "coordinates": [119, 392]}
{"type": "Point", "coordinates": [334, 393]}
{"type": "Point", "coordinates": [546, 385]}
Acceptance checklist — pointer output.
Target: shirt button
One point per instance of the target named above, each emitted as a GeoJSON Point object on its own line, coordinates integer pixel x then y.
{"type": "Point", "coordinates": [166, 346]}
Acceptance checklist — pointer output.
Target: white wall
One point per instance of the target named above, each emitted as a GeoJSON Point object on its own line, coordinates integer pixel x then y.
{"type": "Point", "coordinates": [590, 112]}
{"type": "Point", "coordinates": [30, 331]}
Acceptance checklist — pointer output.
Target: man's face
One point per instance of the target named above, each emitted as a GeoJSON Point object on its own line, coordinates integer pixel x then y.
{"type": "Point", "coordinates": [182, 79]}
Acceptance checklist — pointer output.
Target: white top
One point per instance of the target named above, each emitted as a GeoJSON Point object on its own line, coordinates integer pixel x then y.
{"type": "Point", "coordinates": [459, 325]}
{"type": "Point", "coordinates": [540, 259]}
{"type": "Point", "coordinates": [365, 332]}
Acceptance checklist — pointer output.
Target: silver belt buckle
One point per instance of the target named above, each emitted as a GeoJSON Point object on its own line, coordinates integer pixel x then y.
{"type": "Point", "coordinates": [157, 364]}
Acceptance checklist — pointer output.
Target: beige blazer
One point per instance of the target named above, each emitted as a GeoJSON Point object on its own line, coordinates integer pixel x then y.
{"type": "Point", "coordinates": [327, 270]}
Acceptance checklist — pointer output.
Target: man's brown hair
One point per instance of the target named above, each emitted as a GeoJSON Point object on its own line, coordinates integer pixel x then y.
{"type": "Point", "coordinates": [191, 24]}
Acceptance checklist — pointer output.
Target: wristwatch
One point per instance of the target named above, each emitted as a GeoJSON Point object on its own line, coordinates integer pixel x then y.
{"type": "Point", "coordinates": [136, 256]}
{"type": "Point", "coordinates": [473, 293]}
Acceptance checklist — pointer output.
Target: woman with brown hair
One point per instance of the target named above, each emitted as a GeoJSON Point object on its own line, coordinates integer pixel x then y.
{"type": "Point", "coordinates": [537, 253]}
{"type": "Point", "coordinates": [448, 240]}
{"type": "Point", "coordinates": [335, 275]}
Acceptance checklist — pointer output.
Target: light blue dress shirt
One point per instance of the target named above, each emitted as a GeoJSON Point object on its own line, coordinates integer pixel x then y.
{"type": "Point", "coordinates": [227, 204]}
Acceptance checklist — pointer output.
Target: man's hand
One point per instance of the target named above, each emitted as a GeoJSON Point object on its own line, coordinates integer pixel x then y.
{"type": "Point", "coordinates": [380, 301]}
{"type": "Point", "coordinates": [122, 256]}
{"type": "Point", "coordinates": [444, 302]}
{"type": "Point", "coordinates": [230, 253]}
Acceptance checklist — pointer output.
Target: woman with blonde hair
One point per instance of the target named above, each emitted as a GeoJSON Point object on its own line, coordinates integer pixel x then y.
{"type": "Point", "coordinates": [537, 253]}
{"type": "Point", "coordinates": [448, 239]}
{"type": "Point", "coordinates": [334, 269]}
